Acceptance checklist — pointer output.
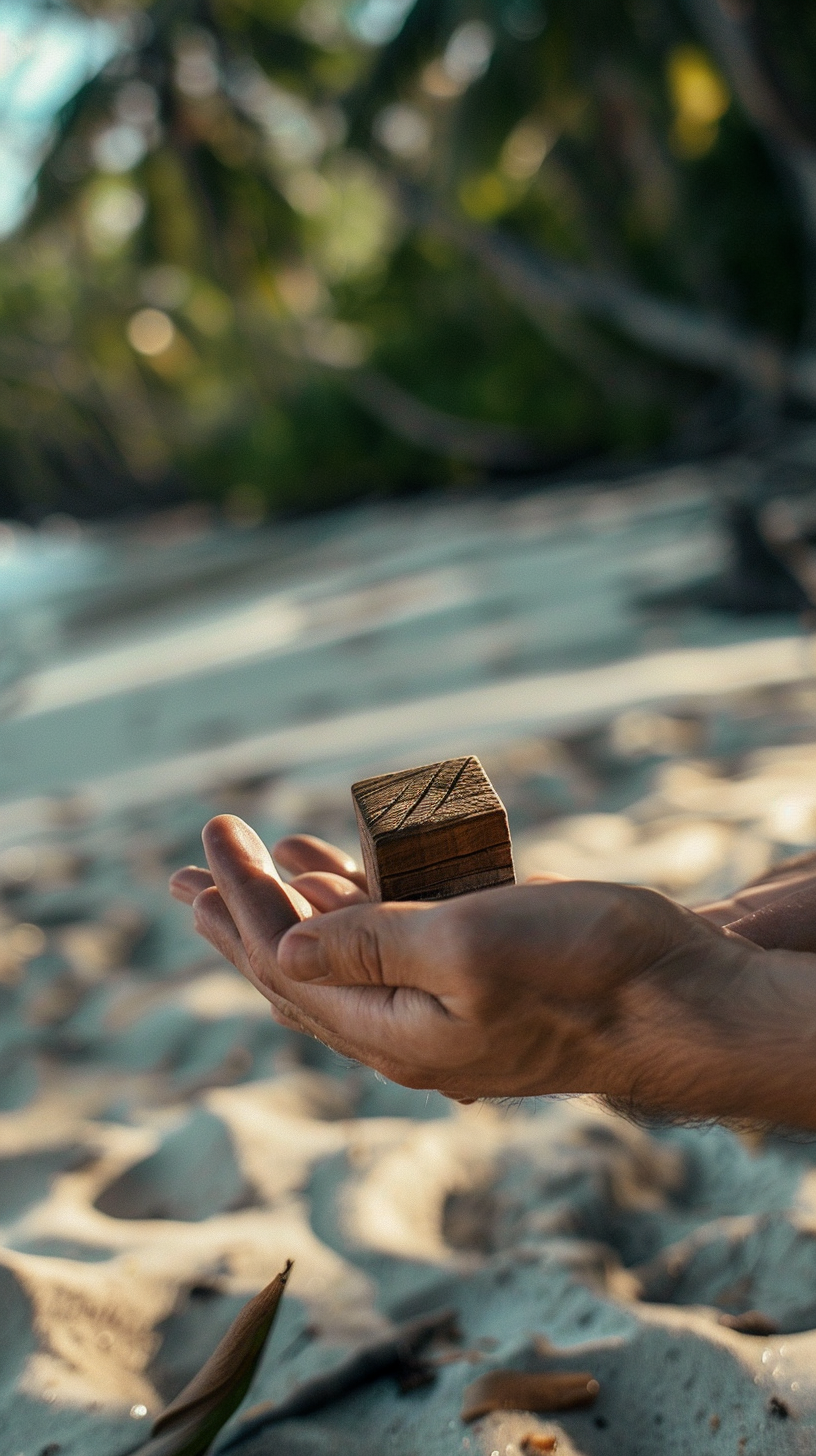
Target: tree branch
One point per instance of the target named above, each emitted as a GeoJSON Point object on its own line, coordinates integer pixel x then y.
{"type": "Point", "coordinates": [490, 446]}
{"type": "Point", "coordinates": [540, 283]}
{"type": "Point", "coordinates": [727, 28]}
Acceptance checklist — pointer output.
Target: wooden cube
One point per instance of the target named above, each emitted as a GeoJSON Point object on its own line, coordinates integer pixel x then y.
{"type": "Point", "coordinates": [432, 832]}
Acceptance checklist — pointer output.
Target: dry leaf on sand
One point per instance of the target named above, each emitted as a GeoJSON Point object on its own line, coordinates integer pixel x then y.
{"type": "Point", "coordinates": [191, 1422]}
{"type": "Point", "coordinates": [518, 1390]}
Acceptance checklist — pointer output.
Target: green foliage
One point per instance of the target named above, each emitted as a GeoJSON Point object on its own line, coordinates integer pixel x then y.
{"type": "Point", "coordinates": [221, 242]}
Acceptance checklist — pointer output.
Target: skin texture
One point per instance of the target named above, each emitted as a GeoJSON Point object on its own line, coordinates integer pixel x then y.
{"type": "Point", "coordinates": [555, 986]}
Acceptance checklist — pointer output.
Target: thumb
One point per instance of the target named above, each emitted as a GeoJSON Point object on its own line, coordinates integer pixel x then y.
{"type": "Point", "coordinates": [395, 944]}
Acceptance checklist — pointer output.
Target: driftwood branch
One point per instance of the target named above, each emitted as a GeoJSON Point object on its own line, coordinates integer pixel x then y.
{"type": "Point", "coordinates": [539, 283]}
{"type": "Point", "coordinates": [490, 446]}
{"type": "Point", "coordinates": [728, 28]}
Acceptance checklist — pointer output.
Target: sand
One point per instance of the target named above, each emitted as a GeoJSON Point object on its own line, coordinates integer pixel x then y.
{"type": "Point", "coordinates": [165, 1147]}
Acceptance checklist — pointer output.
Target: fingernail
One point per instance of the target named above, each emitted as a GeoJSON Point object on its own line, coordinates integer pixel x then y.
{"type": "Point", "coordinates": [299, 954]}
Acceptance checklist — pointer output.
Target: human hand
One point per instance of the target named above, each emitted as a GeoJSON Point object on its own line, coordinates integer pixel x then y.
{"type": "Point", "coordinates": [776, 910]}
{"type": "Point", "coordinates": [556, 986]}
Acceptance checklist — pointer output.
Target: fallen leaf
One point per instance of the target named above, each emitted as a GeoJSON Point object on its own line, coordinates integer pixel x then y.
{"type": "Point", "coordinates": [191, 1422]}
{"type": "Point", "coordinates": [518, 1390]}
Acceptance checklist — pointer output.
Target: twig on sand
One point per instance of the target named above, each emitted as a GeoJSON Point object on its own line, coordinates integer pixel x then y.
{"type": "Point", "coordinates": [501, 1390]}
{"type": "Point", "coordinates": [371, 1362]}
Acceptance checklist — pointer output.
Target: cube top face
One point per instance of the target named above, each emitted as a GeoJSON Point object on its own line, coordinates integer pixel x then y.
{"type": "Point", "coordinates": [419, 798]}
{"type": "Point", "coordinates": [432, 832]}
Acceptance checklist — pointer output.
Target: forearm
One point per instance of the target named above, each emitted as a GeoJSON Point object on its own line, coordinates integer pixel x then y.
{"type": "Point", "coordinates": [736, 1041]}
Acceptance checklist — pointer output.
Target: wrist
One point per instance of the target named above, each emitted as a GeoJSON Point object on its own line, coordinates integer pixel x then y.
{"type": "Point", "coordinates": [721, 1030]}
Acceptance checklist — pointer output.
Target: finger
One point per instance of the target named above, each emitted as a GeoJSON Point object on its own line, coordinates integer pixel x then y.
{"type": "Point", "coordinates": [261, 906]}
{"type": "Point", "coordinates": [412, 944]}
{"type": "Point", "coordinates": [288, 1021]}
{"type": "Point", "coordinates": [302, 853]}
{"type": "Point", "coordinates": [360, 945]}
{"type": "Point", "coordinates": [187, 883]}
{"type": "Point", "coordinates": [260, 910]}
{"type": "Point", "coordinates": [754, 898]}
{"type": "Point", "coordinates": [368, 984]}
{"type": "Point", "coordinates": [439, 947]}
{"type": "Point", "coordinates": [720, 913]}
{"type": "Point", "coordinates": [799, 863]}
{"type": "Point", "coordinates": [786, 924]}
{"type": "Point", "coordinates": [213, 920]}
{"type": "Point", "coordinates": [328, 892]}
{"type": "Point", "coordinates": [408, 952]}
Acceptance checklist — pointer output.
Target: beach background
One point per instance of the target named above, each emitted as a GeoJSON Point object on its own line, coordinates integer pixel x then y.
{"type": "Point", "coordinates": [166, 1147]}
{"type": "Point", "coordinates": [383, 381]}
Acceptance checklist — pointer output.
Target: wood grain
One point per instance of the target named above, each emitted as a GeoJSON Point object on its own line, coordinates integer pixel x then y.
{"type": "Point", "coordinates": [431, 832]}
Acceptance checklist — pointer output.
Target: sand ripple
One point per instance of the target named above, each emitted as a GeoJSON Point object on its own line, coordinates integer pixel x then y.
{"type": "Point", "coordinates": [164, 1147]}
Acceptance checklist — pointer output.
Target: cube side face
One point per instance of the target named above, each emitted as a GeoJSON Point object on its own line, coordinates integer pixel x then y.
{"type": "Point", "coordinates": [441, 844]}
{"type": "Point", "coordinates": [477, 871]}
{"type": "Point", "coordinates": [370, 860]}
{"type": "Point", "coordinates": [488, 880]}
{"type": "Point", "coordinates": [433, 832]}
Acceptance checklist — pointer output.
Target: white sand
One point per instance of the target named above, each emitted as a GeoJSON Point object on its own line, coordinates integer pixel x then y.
{"type": "Point", "coordinates": [164, 1147]}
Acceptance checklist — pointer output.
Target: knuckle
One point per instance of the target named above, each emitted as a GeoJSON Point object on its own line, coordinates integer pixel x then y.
{"type": "Point", "coordinates": [362, 953]}
{"type": "Point", "coordinates": [256, 956]}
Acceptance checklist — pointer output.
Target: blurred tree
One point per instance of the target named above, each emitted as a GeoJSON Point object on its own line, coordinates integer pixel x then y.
{"type": "Point", "coordinates": [287, 252]}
